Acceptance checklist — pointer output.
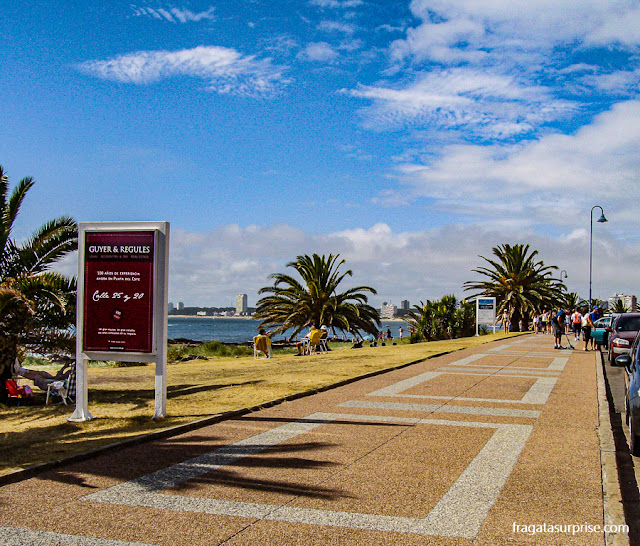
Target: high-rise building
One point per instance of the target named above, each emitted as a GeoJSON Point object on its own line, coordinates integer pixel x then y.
{"type": "Point", "coordinates": [180, 306]}
{"type": "Point", "coordinates": [241, 304]}
{"type": "Point", "coordinates": [171, 306]}
{"type": "Point", "coordinates": [405, 305]}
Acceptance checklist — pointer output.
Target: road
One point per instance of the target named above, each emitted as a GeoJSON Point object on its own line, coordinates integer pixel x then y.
{"type": "Point", "coordinates": [489, 445]}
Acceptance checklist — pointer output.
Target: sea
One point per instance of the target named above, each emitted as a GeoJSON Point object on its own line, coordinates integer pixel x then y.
{"type": "Point", "coordinates": [230, 330]}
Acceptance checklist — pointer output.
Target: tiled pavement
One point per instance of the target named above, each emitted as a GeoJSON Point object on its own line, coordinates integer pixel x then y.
{"type": "Point", "coordinates": [454, 450]}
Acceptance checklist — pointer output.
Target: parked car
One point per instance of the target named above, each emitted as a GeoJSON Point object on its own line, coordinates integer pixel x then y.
{"type": "Point", "coordinates": [631, 363]}
{"type": "Point", "coordinates": [623, 332]}
{"type": "Point", "coordinates": [600, 333]}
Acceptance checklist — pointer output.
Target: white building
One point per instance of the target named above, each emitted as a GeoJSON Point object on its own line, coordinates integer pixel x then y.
{"type": "Point", "coordinates": [241, 304]}
{"type": "Point", "coordinates": [388, 311]}
{"type": "Point", "coordinates": [630, 302]}
{"type": "Point", "coordinates": [180, 306]}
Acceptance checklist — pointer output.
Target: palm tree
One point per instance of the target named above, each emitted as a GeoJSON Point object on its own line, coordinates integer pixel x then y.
{"type": "Point", "coordinates": [295, 304]}
{"type": "Point", "coordinates": [620, 307]}
{"type": "Point", "coordinates": [518, 282]}
{"type": "Point", "coordinates": [441, 319]}
{"type": "Point", "coordinates": [36, 304]}
{"type": "Point", "coordinates": [572, 300]}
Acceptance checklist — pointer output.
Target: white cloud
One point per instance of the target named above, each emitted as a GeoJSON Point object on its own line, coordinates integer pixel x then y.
{"type": "Point", "coordinates": [435, 42]}
{"type": "Point", "coordinates": [336, 26]}
{"type": "Point", "coordinates": [580, 67]}
{"type": "Point", "coordinates": [620, 27]}
{"type": "Point", "coordinates": [319, 51]}
{"type": "Point", "coordinates": [491, 105]}
{"type": "Point", "coordinates": [211, 268]}
{"type": "Point", "coordinates": [623, 82]}
{"type": "Point", "coordinates": [226, 70]}
{"type": "Point", "coordinates": [542, 182]}
{"type": "Point", "coordinates": [174, 14]}
{"type": "Point", "coordinates": [518, 33]}
{"type": "Point", "coordinates": [337, 4]}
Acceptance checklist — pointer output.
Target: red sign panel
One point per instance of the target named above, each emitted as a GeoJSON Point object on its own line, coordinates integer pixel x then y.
{"type": "Point", "coordinates": [118, 291]}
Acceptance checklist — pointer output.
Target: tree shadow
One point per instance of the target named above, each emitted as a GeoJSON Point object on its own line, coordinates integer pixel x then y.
{"type": "Point", "coordinates": [136, 461]}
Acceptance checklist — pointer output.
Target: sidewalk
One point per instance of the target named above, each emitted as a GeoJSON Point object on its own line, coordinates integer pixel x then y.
{"type": "Point", "coordinates": [472, 447]}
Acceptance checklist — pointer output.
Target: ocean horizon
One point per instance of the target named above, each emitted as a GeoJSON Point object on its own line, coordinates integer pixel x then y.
{"type": "Point", "coordinates": [240, 330]}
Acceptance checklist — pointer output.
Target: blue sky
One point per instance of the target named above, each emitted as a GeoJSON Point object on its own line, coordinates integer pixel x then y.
{"type": "Point", "coordinates": [410, 137]}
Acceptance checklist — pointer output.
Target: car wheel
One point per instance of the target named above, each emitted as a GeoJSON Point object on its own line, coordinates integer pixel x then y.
{"type": "Point", "coordinates": [634, 441]}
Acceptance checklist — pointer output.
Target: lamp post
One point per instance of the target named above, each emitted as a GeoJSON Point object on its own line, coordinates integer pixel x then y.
{"type": "Point", "coordinates": [601, 220]}
{"type": "Point", "coordinates": [563, 275]}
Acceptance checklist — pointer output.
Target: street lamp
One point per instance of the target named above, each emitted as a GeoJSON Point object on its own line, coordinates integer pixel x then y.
{"type": "Point", "coordinates": [601, 220]}
{"type": "Point", "coordinates": [563, 275]}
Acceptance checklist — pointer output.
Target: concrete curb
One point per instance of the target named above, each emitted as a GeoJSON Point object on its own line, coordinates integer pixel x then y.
{"type": "Point", "coordinates": [31, 471]}
{"type": "Point", "coordinates": [611, 493]}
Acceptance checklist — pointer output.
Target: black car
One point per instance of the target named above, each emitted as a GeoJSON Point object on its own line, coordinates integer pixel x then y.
{"type": "Point", "coordinates": [631, 363]}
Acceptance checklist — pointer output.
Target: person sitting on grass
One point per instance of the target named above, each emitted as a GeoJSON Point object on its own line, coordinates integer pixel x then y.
{"type": "Point", "coordinates": [42, 379]}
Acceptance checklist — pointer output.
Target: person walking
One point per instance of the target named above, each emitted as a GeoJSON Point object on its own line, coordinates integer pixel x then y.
{"type": "Point", "coordinates": [594, 315]}
{"type": "Point", "coordinates": [543, 321]}
{"type": "Point", "coordinates": [576, 323]}
{"type": "Point", "coordinates": [505, 319]}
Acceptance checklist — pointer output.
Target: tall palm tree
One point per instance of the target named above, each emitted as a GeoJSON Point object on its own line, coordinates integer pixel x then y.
{"type": "Point", "coordinates": [518, 282]}
{"type": "Point", "coordinates": [36, 304]}
{"type": "Point", "coordinates": [314, 299]}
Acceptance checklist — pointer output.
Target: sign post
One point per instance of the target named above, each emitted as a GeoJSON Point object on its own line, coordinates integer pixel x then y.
{"type": "Point", "coordinates": [122, 302]}
{"type": "Point", "coordinates": [485, 312]}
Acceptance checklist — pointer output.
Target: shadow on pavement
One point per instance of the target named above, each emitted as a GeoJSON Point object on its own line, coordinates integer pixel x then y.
{"type": "Point", "coordinates": [624, 460]}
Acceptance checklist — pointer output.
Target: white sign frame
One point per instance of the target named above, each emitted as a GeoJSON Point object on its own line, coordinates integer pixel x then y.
{"type": "Point", "coordinates": [485, 316]}
{"type": "Point", "coordinates": [160, 319]}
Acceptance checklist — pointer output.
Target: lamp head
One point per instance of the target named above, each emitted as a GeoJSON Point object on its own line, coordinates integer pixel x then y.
{"type": "Point", "coordinates": [602, 219]}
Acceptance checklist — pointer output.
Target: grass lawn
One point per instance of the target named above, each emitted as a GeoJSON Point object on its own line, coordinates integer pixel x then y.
{"type": "Point", "coordinates": [122, 399]}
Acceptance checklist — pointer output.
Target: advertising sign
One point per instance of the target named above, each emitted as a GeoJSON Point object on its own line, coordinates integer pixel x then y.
{"type": "Point", "coordinates": [119, 291]}
{"type": "Point", "coordinates": [486, 311]}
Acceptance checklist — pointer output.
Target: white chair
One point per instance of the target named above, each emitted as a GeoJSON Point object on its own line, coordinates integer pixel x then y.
{"type": "Point", "coordinates": [322, 346]}
{"type": "Point", "coordinates": [314, 342]}
{"type": "Point", "coordinates": [261, 344]}
{"type": "Point", "coordinates": [58, 388]}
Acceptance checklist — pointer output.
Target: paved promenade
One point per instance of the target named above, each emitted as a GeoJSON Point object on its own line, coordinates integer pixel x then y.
{"type": "Point", "coordinates": [468, 448]}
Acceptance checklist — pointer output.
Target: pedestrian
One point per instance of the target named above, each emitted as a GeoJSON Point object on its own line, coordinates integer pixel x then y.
{"type": "Point", "coordinates": [557, 326]}
{"type": "Point", "coordinates": [505, 319]}
{"type": "Point", "coordinates": [594, 315]}
{"type": "Point", "coordinates": [587, 324]}
{"type": "Point", "coordinates": [400, 333]}
{"type": "Point", "coordinates": [543, 321]}
{"type": "Point", "coordinates": [536, 323]}
{"type": "Point", "coordinates": [576, 323]}
{"type": "Point", "coordinates": [389, 336]}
